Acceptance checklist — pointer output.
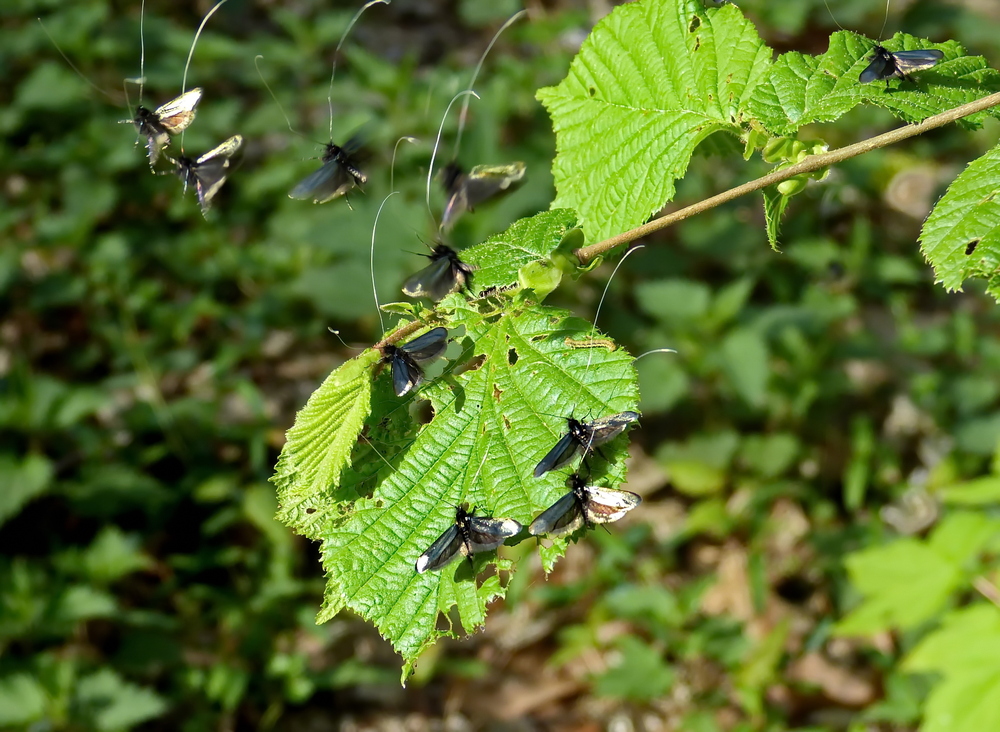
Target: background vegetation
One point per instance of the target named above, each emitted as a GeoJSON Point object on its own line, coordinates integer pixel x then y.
{"type": "Point", "coordinates": [825, 400]}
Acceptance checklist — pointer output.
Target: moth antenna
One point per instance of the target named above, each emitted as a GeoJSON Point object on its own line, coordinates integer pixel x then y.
{"type": "Point", "coordinates": [597, 314]}
{"type": "Point", "coordinates": [372, 446]}
{"type": "Point", "coordinates": [275, 98]}
{"type": "Point", "coordinates": [392, 167]}
{"type": "Point", "coordinates": [71, 64]}
{"type": "Point", "coordinates": [832, 16]}
{"type": "Point", "coordinates": [372, 259]}
{"type": "Point", "coordinates": [437, 142]}
{"type": "Point", "coordinates": [343, 342]}
{"type": "Point", "coordinates": [142, 52]}
{"type": "Point", "coordinates": [885, 19]}
{"type": "Point", "coordinates": [475, 74]}
{"type": "Point", "coordinates": [655, 350]}
{"type": "Point", "coordinates": [197, 35]}
{"type": "Point", "coordinates": [336, 53]}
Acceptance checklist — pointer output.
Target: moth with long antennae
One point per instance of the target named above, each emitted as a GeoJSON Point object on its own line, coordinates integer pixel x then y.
{"type": "Point", "coordinates": [208, 172]}
{"type": "Point", "coordinates": [174, 117]}
{"type": "Point", "coordinates": [584, 505]}
{"type": "Point", "coordinates": [468, 535]}
{"type": "Point", "coordinates": [583, 437]}
{"type": "Point", "coordinates": [466, 189]}
{"type": "Point", "coordinates": [341, 170]}
{"type": "Point", "coordinates": [445, 274]}
{"type": "Point", "coordinates": [884, 65]}
{"type": "Point", "coordinates": [156, 125]}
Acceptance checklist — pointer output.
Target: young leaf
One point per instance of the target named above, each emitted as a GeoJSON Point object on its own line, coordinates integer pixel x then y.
{"type": "Point", "coordinates": [774, 207]}
{"type": "Point", "coordinates": [803, 89]}
{"type": "Point", "coordinates": [653, 79]}
{"type": "Point", "coordinates": [966, 652]}
{"type": "Point", "coordinates": [318, 446]}
{"type": "Point", "coordinates": [498, 259]}
{"type": "Point", "coordinates": [961, 237]}
{"type": "Point", "coordinates": [491, 424]}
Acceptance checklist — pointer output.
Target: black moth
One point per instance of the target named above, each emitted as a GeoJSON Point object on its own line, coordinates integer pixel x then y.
{"type": "Point", "coordinates": [584, 504]}
{"type": "Point", "coordinates": [406, 359]}
{"type": "Point", "coordinates": [170, 119]}
{"type": "Point", "coordinates": [467, 190]}
{"type": "Point", "coordinates": [339, 174]}
{"type": "Point", "coordinates": [208, 172]}
{"type": "Point", "coordinates": [445, 274]}
{"type": "Point", "coordinates": [469, 535]}
{"type": "Point", "coordinates": [886, 64]}
{"type": "Point", "coordinates": [582, 437]}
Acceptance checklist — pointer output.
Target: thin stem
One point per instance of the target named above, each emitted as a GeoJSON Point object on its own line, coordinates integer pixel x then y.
{"type": "Point", "coordinates": [400, 333]}
{"type": "Point", "coordinates": [810, 164]}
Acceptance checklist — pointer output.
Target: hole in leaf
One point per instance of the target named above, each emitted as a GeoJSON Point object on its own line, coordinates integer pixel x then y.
{"type": "Point", "coordinates": [697, 43]}
{"type": "Point", "coordinates": [540, 337]}
{"type": "Point", "coordinates": [497, 392]}
{"type": "Point", "coordinates": [971, 247]}
{"type": "Point", "coordinates": [511, 356]}
{"type": "Point", "coordinates": [695, 24]}
{"type": "Point", "coordinates": [593, 91]}
{"type": "Point", "coordinates": [506, 423]}
{"type": "Point", "coordinates": [310, 510]}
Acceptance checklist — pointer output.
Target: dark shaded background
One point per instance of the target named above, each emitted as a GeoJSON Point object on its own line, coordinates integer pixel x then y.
{"type": "Point", "coordinates": [150, 362]}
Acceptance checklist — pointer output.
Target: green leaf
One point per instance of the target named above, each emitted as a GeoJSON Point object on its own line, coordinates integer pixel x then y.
{"type": "Point", "coordinates": [966, 652]}
{"type": "Point", "coordinates": [961, 237]}
{"type": "Point", "coordinates": [905, 583]}
{"type": "Point", "coordinates": [500, 258]}
{"type": "Point", "coordinates": [22, 699]}
{"type": "Point", "coordinates": [492, 423]}
{"type": "Point", "coordinates": [744, 358]}
{"type": "Point", "coordinates": [803, 89]}
{"type": "Point", "coordinates": [653, 79]}
{"type": "Point", "coordinates": [20, 481]}
{"type": "Point", "coordinates": [774, 208]}
{"type": "Point", "coordinates": [640, 674]}
{"type": "Point", "coordinates": [318, 446]}
{"type": "Point", "coordinates": [116, 704]}
{"type": "Point", "coordinates": [977, 492]}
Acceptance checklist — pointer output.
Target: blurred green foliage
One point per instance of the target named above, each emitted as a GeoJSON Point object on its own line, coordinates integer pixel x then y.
{"type": "Point", "coordinates": [150, 362]}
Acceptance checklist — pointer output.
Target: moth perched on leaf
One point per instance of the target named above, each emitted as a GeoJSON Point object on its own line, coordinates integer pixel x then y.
{"type": "Point", "coordinates": [470, 534]}
{"type": "Point", "coordinates": [886, 64]}
{"type": "Point", "coordinates": [169, 119]}
{"type": "Point", "coordinates": [406, 359]}
{"type": "Point", "coordinates": [583, 505]}
{"type": "Point", "coordinates": [583, 437]}
{"type": "Point", "coordinates": [467, 190]}
{"type": "Point", "coordinates": [209, 171]}
{"type": "Point", "coordinates": [445, 274]}
{"type": "Point", "coordinates": [339, 174]}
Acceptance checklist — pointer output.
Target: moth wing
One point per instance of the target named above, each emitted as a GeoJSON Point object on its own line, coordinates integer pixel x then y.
{"type": "Point", "coordinates": [485, 181]}
{"type": "Point", "coordinates": [406, 375]}
{"type": "Point", "coordinates": [608, 428]}
{"type": "Point", "coordinates": [457, 204]}
{"type": "Point", "coordinates": [428, 346]}
{"type": "Point", "coordinates": [212, 168]}
{"type": "Point", "coordinates": [177, 114]}
{"type": "Point", "coordinates": [486, 534]}
{"type": "Point", "coordinates": [877, 69]}
{"type": "Point", "coordinates": [434, 281]}
{"type": "Point", "coordinates": [329, 182]}
{"type": "Point", "coordinates": [442, 552]}
{"type": "Point", "coordinates": [908, 62]}
{"type": "Point", "coordinates": [156, 140]}
{"type": "Point", "coordinates": [564, 451]}
{"type": "Point", "coordinates": [562, 517]}
{"type": "Point", "coordinates": [605, 505]}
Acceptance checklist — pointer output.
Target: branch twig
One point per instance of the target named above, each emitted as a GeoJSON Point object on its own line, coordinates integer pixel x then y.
{"type": "Point", "coordinates": [810, 164]}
